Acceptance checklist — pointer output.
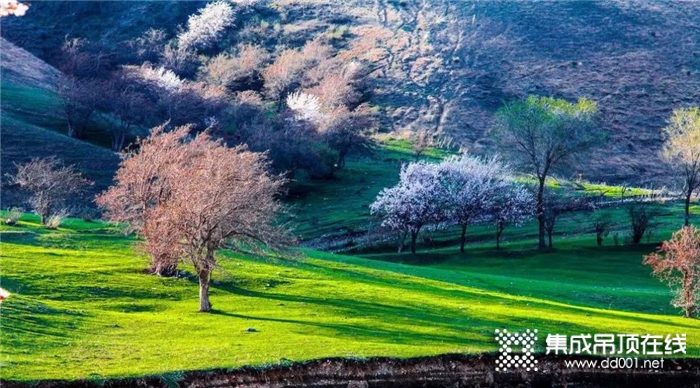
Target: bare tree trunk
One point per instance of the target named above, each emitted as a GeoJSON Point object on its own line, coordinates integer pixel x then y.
{"type": "Point", "coordinates": [549, 237]}
{"type": "Point", "coordinates": [540, 212]}
{"type": "Point", "coordinates": [687, 208]}
{"type": "Point", "coordinates": [599, 239]}
{"type": "Point", "coordinates": [689, 302]}
{"type": "Point", "coordinates": [204, 305]}
{"type": "Point", "coordinates": [463, 238]}
{"type": "Point", "coordinates": [499, 232]}
{"type": "Point", "coordinates": [414, 237]}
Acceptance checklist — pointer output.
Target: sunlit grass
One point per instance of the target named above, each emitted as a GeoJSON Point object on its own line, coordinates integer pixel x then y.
{"type": "Point", "coordinates": [81, 306]}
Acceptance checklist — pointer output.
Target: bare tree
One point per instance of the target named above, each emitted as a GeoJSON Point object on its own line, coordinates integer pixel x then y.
{"type": "Point", "coordinates": [79, 99]}
{"type": "Point", "coordinates": [543, 133]}
{"type": "Point", "coordinates": [124, 106]}
{"type": "Point", "coordinates": [557, 204]}
{"type": "Point", "coordinates": [682, 151]}
{"type": "Point", "coordinates": [217, 197]}
{"type": "Point", "coordinates": [677, 263]}
{"type": "Point", "coordinates": [602, 222]}
{"type": "Point", "coordinates": [641, 215]}
{"type": "Point", "coordinates": [238, 72]}
{"type": "Point", "coordinates": [50, 184]}
{"type": "Point", "coordinates": [421, 141]}
{"type": "Point", "coordinates": [347, 133]}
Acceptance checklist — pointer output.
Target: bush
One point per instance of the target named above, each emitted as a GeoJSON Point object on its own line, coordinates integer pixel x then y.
{"type": "Point", "coordinates": [13, 215]}
{"type": "Point", "coordinates": [56, 220]}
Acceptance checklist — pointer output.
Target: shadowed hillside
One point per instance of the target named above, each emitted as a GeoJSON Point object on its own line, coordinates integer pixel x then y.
{"type": "Point", "coordinates": [32, 124]}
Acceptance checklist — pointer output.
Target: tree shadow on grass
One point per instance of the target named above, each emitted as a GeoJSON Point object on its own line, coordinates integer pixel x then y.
{"type": "Point", "coordinates": [400, 335]}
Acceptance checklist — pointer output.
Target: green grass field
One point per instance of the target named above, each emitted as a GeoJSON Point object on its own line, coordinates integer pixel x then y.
{"type": "Point", "coordinates": [81, 306]}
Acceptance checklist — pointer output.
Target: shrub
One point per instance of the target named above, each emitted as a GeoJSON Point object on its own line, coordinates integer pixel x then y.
{"type": "Point", "coordinates": [56, 220]}
{"type": "Point", "coordinates": [13, 215]}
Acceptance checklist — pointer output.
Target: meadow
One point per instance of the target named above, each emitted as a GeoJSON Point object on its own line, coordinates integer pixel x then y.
{"type": "Point", "coordinates": [82, 307]}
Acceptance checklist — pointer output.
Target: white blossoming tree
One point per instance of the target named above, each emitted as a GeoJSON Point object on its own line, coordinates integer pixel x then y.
{"type": "Point", "coordinates": [12, 7]}
{"type": "Point", "coordinates": [305, 106]}
{"type": "Point", "coordinates": [470, 185]}
{"type": "Point", "coordinates": [206, 27]}
{"type": "Point", "coordinates": [415, 202]}
{"type": "Point", "coordinates": [512, 205]}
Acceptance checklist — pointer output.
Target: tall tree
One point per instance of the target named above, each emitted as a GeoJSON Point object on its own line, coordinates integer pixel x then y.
{"type": "Point", "coordinates": [544, 133]}
{"type": "Point", "coordinates": [217, 197]}
{"type": "Point", "coordinates": [682, 151]}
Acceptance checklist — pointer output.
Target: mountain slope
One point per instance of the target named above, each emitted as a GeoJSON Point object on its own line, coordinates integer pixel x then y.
{"type": "Point", "coordinates": [447, 66]}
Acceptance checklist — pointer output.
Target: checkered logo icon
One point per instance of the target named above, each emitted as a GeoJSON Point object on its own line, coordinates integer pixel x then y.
{"type": "Point", "coordinates": [516, 350]}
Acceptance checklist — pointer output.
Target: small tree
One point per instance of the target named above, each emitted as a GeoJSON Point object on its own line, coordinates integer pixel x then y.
{"type": "Point", "coordinates": [216, 197]}
{"type": "Point", "coordinates": [79, 99]}
{"type": "Point", "coordinates": [677, 263]}
{"type": "Point", "coordinates": [682, 151]}
{"type": "Point", "coordinates": [470, 185]}
{"type": "Point", "coordinates": [602, 222]}
{"type": "Point", "coordinates": [543, 133]}
{"type": "Point", "coordinates": [347, 133]}
{"type": "Point", "coordinates": [50, 184]}
{"type": "Point", "coordinates": [559, 204]}
{"type": "Point", "coordinates": [511, 205]}
{"type": "Point", "coordinates": [413, 203]}
{"type": "Point", "coordinates": [641, 215]}
{"type": "Point", "coordinates": [421, 141]}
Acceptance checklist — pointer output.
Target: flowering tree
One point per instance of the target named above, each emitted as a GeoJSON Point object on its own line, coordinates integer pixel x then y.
{"type": "Point", "coordinates": [416, 201]}
{"type": "Point", "coordinates": [469, 185]}
{"type": "Point", "coordinates": [206, 27]}
{"type": "Point", "coordinates": [305, 106]}
{"type": "Point", "coordinates": [683, 152]}
{"type": "Point", "coordinates": [193, 197]}
{"type": "Point", "coordinates": [513, 204]}
{"type": "Point", "coordinates": [677, 263]}
{"type": "Point", "coordinates": [12, 7]}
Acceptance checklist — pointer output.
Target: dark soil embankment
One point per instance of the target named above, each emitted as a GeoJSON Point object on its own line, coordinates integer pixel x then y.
{"type": "Point", "coordinates": [440, 371]}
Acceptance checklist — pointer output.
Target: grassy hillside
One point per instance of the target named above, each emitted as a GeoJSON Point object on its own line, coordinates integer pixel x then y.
{"type": "Point", "coordinates": [32, 124]}
{"type": "Point", "coordinates": [81, 306]}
